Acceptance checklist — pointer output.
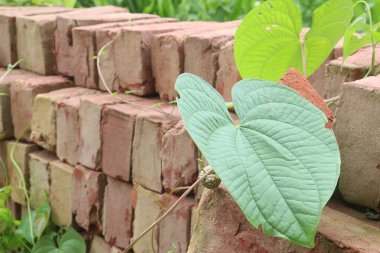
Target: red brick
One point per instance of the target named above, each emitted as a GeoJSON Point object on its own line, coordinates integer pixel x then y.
{"type": "Point", "coordinates": [63, 34]}
{"type": "Point", "coordinates": [133, 55]}
{"type": "Point", "coordinates": [168, 56]}
{"type": "Point", "coordinates": [44, 115]}
{"type": "Point", "coordinates": [35, 43]}
{"type": "Point", "coordinates": [61, 196]}
{"type": "Point", "coordinates": [150, 129]}
{"type": "Point", "coordinates": [23, 93]}
{"type": "Point", "coordinates": [202, 52]}
{"type": "Point", "coordinates": [357, 130]}
{"type": "Point", "coordinates": [84, 48]}
{"type": "Point", "coordinates": [118, 126]}
{"type": "Point", "coordinates": [89, 192]}
{"type": "Point", "coordinates": [107, 63]}
{"type": "Point", "coordinates": [117, 219]}
{"type": "Point", "coordinates": [20, 159]}
{"type": "Point", "coordinates": [220, 220]}
{"type": "Point", "coordinates": [8, 40]}
{"type": "Point", "coordinates": [98, 245]}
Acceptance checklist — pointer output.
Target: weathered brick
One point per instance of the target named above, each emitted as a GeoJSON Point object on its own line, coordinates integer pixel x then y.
{"type": "Point", "coordinates": [117, 217]}
{"type": "Point", "coordinates": [147, 210]}
{"type": "Point", "coordinates": [168, 56]}
{"type": "Point", "coordinates": [176, 227]}
{"type": "Point", "coordinates": [61, 193]}
{"type": "Point", "coordinates": [118, 126]}
{"type": "Point", "coordinates": [23, 93]}
{"type": "Point", "coordinates": [88, 201]}
{"type": "Point", "coordinates": [202, 52]}
{"type": "Point", "coordinates": [35, 43]}
{"type": "Point", "coordinates": [179, 158]}
{"type": "Point", "coordinates": [355, 67]}
{"type": "Point", "coordinates": [222, 227]}
{"type": "Point", "coordinates": [39, 176]}
{"type": "Point", "coordinates": [84, 48]}
{"type": "Point", "coordinates": [63, 34]}
{"type": "Point", "coordinates": [150, 129]}
{"type": "Point", "coordinates": [90, 114]}
{"type": "Point", "coordinates": [3, 163]}
{"type": "Point", "coordinates": [106, 62]}
{"type": "Point", "coordinates": [116, 250]}
{"type": "Point", "coordinates": [17, 162]}
{"type": "Point", "coordinates": [99, 245]}
{"type": "Point", "coordinates": [8, 40]}
{"type": "Point", "coordinates": [6, 126]}
{"type": "Point", "coordinates": [44, 115]}
{"type": "Point", "coordinates": [133, 55]}
{"type": "Point", "coordinates": [357, 130]}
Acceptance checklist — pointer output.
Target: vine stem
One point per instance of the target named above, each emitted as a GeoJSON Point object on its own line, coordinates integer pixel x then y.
{"type": "Point", "coordinates": [9, 70]}
{"type": "Point", "coordinates": [163, 216]}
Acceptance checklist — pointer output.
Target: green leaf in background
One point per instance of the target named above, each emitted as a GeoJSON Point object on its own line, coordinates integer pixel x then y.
{"type": "Point", "coordinates": [69, 3]}
{"type": "Point", "coordinates": [280, 164]}
{"type": "Point", "coordinates": [268, 42]}
{"type": "Point", "coordinates": [5, 193]}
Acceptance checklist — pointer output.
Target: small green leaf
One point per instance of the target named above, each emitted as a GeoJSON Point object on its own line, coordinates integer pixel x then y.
{"type": "Point", "coordinates": [280, 164]}
{"type": "Point", "coordinates": [41, 219]}
{"type": "Point", "coordinates": [71, 241]}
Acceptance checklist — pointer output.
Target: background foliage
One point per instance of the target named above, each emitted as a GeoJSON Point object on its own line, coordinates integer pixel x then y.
{"type": "Point", "coordinates": [218, 10]}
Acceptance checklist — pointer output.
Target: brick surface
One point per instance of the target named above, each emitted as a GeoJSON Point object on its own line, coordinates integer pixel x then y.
{"type": "Point", "coordinates": [222, 227]}
{"type": "Point", "coordinates": [118, 126]}
{"type": "Point", "coordinates": [150, 129]}
{"type": "Point", "coordinates": [40, 176]}
{"type": "Point", "coordinates": [3, 163]}
{"type": "Point", "coordinates": [147, 210]}
{"type": "Point", "coordinates": [8, 40]}
{"type": "Point", "coordinates": [84, 48]}
{"type": "Point", "coordinates": [61, 193]}
{"type": "Point", "coordinates": [107, 62]}
{"type": "Point", "coordinates": [6, 126]}
{"type": "Point", "coordinates": [117, 218]}
{"type": "Point", "coordinates": [89, 192]}
{"type": "Point", "coordinates": [202, 52]}
{"type": "Point", "coordinates": [18, 156]}
{"type": "Point", "coordinates": [356, 129]}
{"type": "Point", "coordinates": [35, 43]}
{"type": "Point", "coordinates": [63, 35]}
{"type": "Point", "coordinates": [99, 245]}
{"type": "Point", "coordinates": [355, 67]}
{"type": "Point", "coordinates": [133, 62]}
{"type": "Point", "coordinates": [168, 56]}
{"type": "Point", "coordinates": [90, 114]}
{"type": "Point", "coordinates": [44, 115]}
{"type": "Point", "coordinates": [179, 158]}
{"type": "Point", "coordinates": [23, 93]}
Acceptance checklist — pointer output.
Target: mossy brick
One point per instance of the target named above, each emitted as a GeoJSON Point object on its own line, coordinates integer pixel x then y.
{"type": "Point", "coordinates": [85, 50]}
{"type": "Point", "coordinates": [133, 55]}
{"type": "Point", "coordinates": [6, 126]}
{"type": "Point", "coordinates": [44, 115]}
{"type": "Point", "coordinates": [40, 176]}
{"type": "Point", "coordinates": [90, 116]}
{"type": "Point", "coordinates": [88, 197]}
{"type": "Point", "coordinates": [65, 23]}
{"type": "Point", "coordinates": [117, 213]}
{"type": "Point", "coordinates": [151, 126]}
{"type": "Point", "coordinates": [18, 162]}
{"type": "Point", "coordinates": [61, 193]}
{"type": "Point", "coordinates": [354, 68]}
{"type": "Point", "coordinates": [23, 93]}
{"type": "Point", "coordinates": [106, 61]}
{"type": "Point", "coordinates": [35, 43]}
{"type": "Point", "coordinates": [202, 52]}
{"type": "Point", "coordinates": [8, 40]}
{"type": "Point", "coordinates": [99, 245]}
{"type": "Point", "coordinates": [168, 55]}
{"type": "Point", "coordinates": [357, 131]}
{"type": "Point", "coordinates": [117, 129]}
{"type": "Point", "coordinates": [222, 227]}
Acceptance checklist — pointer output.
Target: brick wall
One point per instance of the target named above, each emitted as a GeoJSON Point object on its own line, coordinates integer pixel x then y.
{"type": "Point", "coordinates": [109, 163]}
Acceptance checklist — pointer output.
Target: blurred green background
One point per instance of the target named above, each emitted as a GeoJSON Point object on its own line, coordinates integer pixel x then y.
{"type": "Point", "coordinates": [218, 10]}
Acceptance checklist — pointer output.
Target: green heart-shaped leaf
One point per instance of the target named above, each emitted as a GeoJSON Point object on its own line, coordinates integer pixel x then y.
{"type": "Point", "coordinates": [280, 164]}
{"type": "Point", "coordinates": [268, 42]}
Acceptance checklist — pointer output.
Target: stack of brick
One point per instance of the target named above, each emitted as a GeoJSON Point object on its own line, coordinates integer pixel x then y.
{"type": "Point", "coordinates": [111, 164]}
